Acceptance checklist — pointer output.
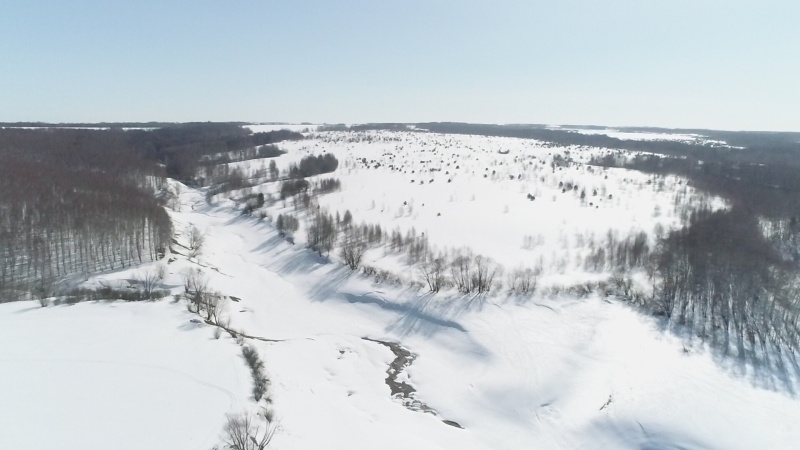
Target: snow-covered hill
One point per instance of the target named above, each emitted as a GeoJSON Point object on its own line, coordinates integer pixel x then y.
{"type": "Point", "coordinates": [550, 370]}
{"type": "Point", "coordinates": [514, 372]}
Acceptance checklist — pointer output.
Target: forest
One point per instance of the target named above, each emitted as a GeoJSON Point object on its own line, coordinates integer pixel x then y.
{"type": "Point", "coordinates": [77, 201]}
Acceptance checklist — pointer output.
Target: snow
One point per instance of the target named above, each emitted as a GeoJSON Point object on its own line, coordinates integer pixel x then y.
{"type": "Point", "coordinates": [261, 128]}
{"type": "Point", "coordinates": [640, 136]}
{"type": "Point", "coordinates": [473, 195]}
{"type": "Point", "coordinates": [692, 138]}
{"type": "Point", "coordinates": [114, 375]}
{"type": "Point", "coordinates": [516, 372]}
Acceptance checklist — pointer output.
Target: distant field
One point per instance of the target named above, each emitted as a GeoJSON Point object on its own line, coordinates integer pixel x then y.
{"type": "Point", "coordinates": [518, 201]}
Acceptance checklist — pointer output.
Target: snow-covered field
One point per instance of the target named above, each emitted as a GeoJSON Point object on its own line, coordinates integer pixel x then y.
{"type": "Point", "coordinates": [518, 201]}
{"type": "Point", "coordinates": [513, 372]}
{"type": "Point", "coordinates": [690, 138]}
{"type": "Point", "coordinates": [118, 375]}
{"type": "Point", "coordinates": [261, 128]}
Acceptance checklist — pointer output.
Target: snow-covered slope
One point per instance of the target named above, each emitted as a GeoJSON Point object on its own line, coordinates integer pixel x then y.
{"type": "Point", "coordinates": [518, 201]}
{"type": "Point", "coordinates": [546, 371]}
{"type": "Point", "coordinates": [514, 372]}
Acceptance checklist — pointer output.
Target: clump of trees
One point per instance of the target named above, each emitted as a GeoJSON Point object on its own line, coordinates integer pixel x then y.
{"type": "Point", "coordinates": [287, 223]}
{"type": "Point", "coordinates": [321, 232]}
{"type": "Point", "coordinates": [291, 188]}
{"type": "Point", "coordinates": [186, 148]}
{"type": "Point", "coordinates": [434, 272]}
{"type": "Point", "coordinates": [473, 273]}
{"type": "Point", "coordinates": [328, 185]}
{"type": "Point", "coordinates": [620, 255]}
{"type": "Point", "coordinates": [313, 165]}
{"type": "Point", "coordinates": [524, 280]}
{"type": "Point", "coordinates": [252, 203]}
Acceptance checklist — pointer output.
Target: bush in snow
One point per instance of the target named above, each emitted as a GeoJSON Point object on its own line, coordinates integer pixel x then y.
{"type": "Point", "coordinates": [433, 270]}
{"type": "Point", "coordinates": [287, 223]}
{"type": "Point", "coordinates": [242, 432]}
{"type": "Point", "coordinates": [321, 232]}
{"type": "Point", "coordinates": [260, 381]}
{"type": "Point", "coordinates": [524, 280]}
{"type": "Point", "coordinates": [353, 249]}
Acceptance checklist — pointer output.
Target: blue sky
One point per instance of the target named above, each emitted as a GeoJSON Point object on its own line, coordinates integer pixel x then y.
{"type": "Point", "coordinates": [673, 63]}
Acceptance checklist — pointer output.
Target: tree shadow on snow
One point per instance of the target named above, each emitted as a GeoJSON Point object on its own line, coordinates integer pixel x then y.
{"type": "Point", "coordinates": [635, 435]}
{"type": "Point", "coordinates": [765, 368]}
{"type": "Point", "coordinates": [413, 318]}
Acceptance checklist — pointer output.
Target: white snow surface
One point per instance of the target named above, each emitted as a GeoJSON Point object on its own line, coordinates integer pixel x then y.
{"type": "Point", "coordinates": [261, 128]}
{"type": "Point", "coordinates": [118, 375]}
{"type": "Point", "coordinates": [538, 372]}
{"type": "Point", "coordinates": [474, 191]}
{"type": "Point", "coordinates": [516, 373]}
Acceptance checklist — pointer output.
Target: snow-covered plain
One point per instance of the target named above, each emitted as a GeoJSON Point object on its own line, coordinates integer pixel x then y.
{"type": "Point", "coordinates": [518, 201]}
{"type": "Point", "coordinates": [516, 372]}
{"type": "Point", "coordinates": [118, 375]}
{"type": "Point", "coordinates": [301, 127]}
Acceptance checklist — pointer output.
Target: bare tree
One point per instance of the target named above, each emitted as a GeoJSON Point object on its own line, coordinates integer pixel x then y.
{"type": "Point", "coordinates": [484, 274]}
{"type": "Point", "coordinates": [196, 240]}
{"type": "Point", "coordinates": [195, 285]}
{"type": "Point", "coordinates": [353, 249]}
{"type": "Point", "coordinates": [149, 278]}
{"type": "Point", "coordinates": [214, 303]}
{"type": "Point", "coordinates": [461, 269]}
{"type": "Point", "coordinates": [43, 290]}
{"type": "Point", "coordinates": [529, 280]}
{"type": "Point", "coordinates": [242, 432]}
{"type": "Point", "coordinates": [524, 280]}
{"type": "Point", "coordinates": [433, 272]}
{"type": "Point", "coordinates": [321, 232]}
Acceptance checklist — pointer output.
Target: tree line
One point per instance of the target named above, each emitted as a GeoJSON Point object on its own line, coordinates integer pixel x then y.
{"type": "Point", "coordinates": [184, 148]}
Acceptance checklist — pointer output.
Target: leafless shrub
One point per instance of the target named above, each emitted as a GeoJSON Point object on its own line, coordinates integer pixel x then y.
{"type": "Point", "coordinates": [196, 240]}
{"type": "Point", "coordinates": [582, 290]}
{"type": "Point", "coordinates": [433, 272]}
{"type": "Point", "coordinates": [353, 249]}
{"type": "Point", "coordinates": [243, 432]}
{"type": "Point", "coordinates": [524, 280]}
{"type": "Point", "coordinates": [461, 272]}
{"type": "Point", "coordinates": [483, 276]}
{"type": "Point", "coordinates": [149, 278]}
{"type": "Point", "coordinates": [214, 304]}
{"type": "Point", "coordinates": [195, 285]}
